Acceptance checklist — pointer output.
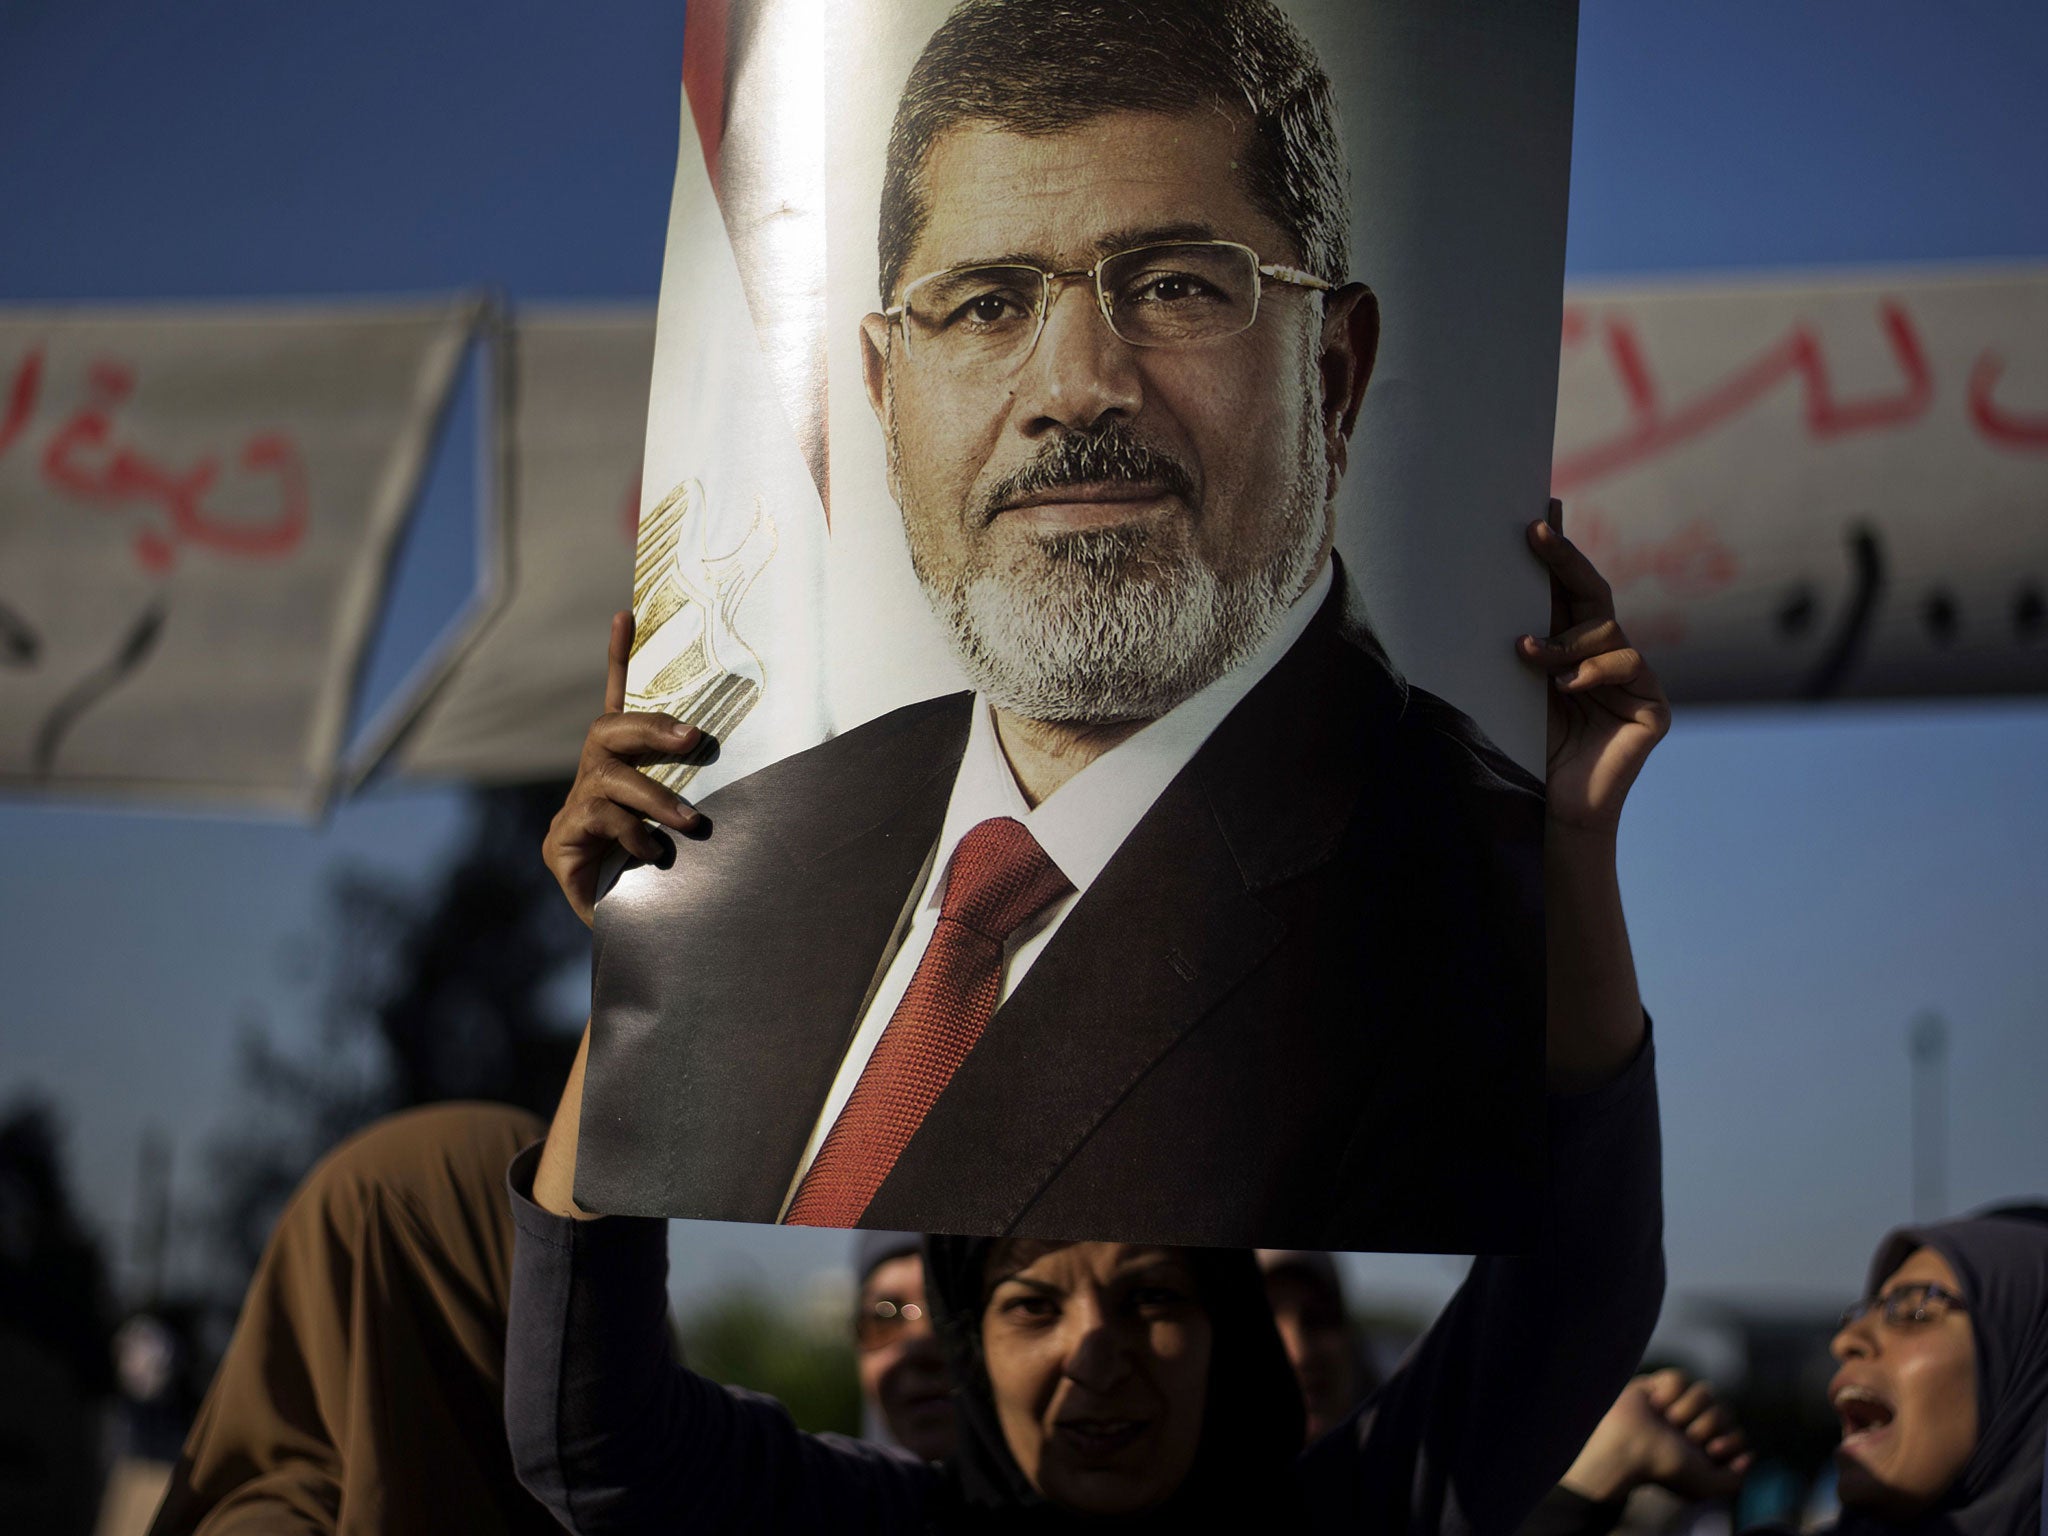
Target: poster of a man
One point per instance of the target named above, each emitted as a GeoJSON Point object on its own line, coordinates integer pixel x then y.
{"type": "Point", "coordinates": [1193, 919]}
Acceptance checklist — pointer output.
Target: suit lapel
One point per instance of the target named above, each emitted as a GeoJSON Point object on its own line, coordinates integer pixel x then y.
{"type": "Point", "coordinates": [1174, 922]}
{"type": "Point", "coordinates": [860, 893]}
{"type": "Point", "coordinates": [727, 987]}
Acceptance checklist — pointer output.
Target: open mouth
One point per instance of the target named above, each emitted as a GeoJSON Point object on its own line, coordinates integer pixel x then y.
{"type": "Point", "coordinates": [1099, 1439]}
{"type": "Point", "coordinates": [1863, 1414]}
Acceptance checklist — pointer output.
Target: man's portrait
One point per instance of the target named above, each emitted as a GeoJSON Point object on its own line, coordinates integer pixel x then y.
{"type": "Point", "coordinates": [1182, 913]}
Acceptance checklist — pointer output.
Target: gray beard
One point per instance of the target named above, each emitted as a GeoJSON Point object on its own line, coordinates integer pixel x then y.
{"type": "Point", "coordinates": [1107, 627]}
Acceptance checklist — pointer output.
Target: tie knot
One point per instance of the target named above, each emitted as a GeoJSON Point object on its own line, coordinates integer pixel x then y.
{"type": "Point", "coordinates": [1000, 878]}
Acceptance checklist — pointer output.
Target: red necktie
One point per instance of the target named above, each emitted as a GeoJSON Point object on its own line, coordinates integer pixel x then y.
{"type": "Point", "coordinates": [998, 880]}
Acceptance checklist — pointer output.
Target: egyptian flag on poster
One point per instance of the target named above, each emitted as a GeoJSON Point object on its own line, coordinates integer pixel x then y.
{"type": "Point", "coordinates": [729, 588]}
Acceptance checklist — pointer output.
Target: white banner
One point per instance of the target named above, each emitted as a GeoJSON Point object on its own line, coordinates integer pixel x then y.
{"type": "Point", "coordinates": [519, 700]}
{"type": "Point", "coordinates": [196, 513]}
{"type": "Point", "coordinates": [1834, 487]}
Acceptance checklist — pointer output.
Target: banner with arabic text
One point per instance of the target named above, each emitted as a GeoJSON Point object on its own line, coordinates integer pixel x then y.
{"type": "Point", "coordinates": [1820, 487]}
{"type": "Point", "coordinates": [197, 507]}
{"type": "Point", "coordinates": [1725, 448]}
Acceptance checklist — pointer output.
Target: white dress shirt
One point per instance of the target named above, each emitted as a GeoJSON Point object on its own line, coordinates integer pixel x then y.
{"type": "Point", "coordinates": [1080, 826]}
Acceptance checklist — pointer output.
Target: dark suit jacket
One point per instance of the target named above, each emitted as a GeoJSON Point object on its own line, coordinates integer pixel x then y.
{"type": "Point", "coordinates": [1302, 1006]}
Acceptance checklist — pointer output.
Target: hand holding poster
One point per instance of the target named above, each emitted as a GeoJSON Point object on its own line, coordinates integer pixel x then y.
{"type": "Point", "coordinates": [1195, 918]}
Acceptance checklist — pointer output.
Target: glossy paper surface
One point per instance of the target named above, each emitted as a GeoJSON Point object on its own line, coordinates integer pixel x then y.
{"type": "Point", "coordinates": [1297, 999]}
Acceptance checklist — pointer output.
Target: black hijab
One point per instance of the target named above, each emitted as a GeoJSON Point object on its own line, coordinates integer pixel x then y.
{"type": "Point", "coordinates": [2001, 1261]}
{"type": "Point", "coordinates": [1252, 1422]}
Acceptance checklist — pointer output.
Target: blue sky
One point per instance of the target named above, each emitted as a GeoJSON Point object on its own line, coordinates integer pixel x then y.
{"type": "Point", "coordinates": [1800, 882]}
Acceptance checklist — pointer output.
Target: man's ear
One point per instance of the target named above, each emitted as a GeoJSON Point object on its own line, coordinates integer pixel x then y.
{"type": "Point", "coordinates": [874, 374]}
{"type": "Point", "coordinates": [1351, 340]}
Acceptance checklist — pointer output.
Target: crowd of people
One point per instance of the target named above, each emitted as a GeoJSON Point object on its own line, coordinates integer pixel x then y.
{"type": "Point", "coordinates": [363, 1389]}
{"type": "Point", "coordinates": [421, 1348]}
{"type": "Point", "coordinates": [1122, 513]}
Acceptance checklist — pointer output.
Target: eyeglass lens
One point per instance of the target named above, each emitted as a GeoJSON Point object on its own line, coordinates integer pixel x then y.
{"type": "Point", "coordinates": [878, 1323]}
{"type": "Point", "coordinates": [1904, 1306]}
{"type": "Point", "coordinates": [986, 318]}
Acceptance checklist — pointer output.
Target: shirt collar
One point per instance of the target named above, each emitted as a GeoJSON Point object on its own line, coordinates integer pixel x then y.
{"type": "Point", "coordinates": [1082, 824]}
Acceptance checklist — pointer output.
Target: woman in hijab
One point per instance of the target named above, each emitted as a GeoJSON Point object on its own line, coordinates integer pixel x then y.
{"type": "Point", "coordinates": [1113, 1379]}
{"type": "Point", "coordinates": [1942, 1396]}
{"type": "Point", "coordinates": [1943, 1387]}
{"type": "Point", "coordinates": [1148, 1385]}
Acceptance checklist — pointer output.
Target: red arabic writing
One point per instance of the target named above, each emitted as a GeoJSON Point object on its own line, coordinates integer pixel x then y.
{"type": "Point", "coordinates": [82, 460]}
{"type": "Point", "coordinates": [21, 399]}
{"type": "Point", "coordinates": [1692, 562]}
{"type": "Point", "coordinates": [2008, 429]}
{"type": "Point", "coordinates": [1656, 427]}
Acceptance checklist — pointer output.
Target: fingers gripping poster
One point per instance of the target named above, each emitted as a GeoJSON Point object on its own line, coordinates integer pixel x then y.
{"type": "Point", "coordinates": [1087, 465]}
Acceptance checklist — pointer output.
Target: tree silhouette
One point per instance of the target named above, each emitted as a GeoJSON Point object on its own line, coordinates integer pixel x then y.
{"type": "Point", "coordinates": [455, 992]}
{"type": "Point", "coordinates": [55, 1322]}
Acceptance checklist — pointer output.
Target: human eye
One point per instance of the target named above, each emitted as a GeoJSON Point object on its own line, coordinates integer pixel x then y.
{"type": "Point", "coordinates": [1027, 1309]}
{"type": "Point", "coordinates": [1155, 1296]}
{"type": "Point", "coordinates": [1168, 286]}
{"type": "Point", "coordinates": [981, 302]}
{"type": "Point", "coordinates": [1911, 1304]}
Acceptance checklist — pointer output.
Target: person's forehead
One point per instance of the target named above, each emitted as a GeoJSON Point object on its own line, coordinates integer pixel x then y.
{"type": "Point", "coordinates": [1099, 1261]}
{"type": "Point", "coordinates": [902, 1275]}
{"type": "Point", "coordinates": [1073, 196]}
{"type": "Point", "coordinates": [1921, 1267]}
{"type": "Point", "coordinates": [1302, 1289]}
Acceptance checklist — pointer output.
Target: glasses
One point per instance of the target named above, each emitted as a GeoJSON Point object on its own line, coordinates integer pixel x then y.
{"type": "Point", "coordinates": [881, 1323]}
{"type": "Point", "coordinates": [984, 321]}
{"type": "Point", "coordinates": [1907, 1306]}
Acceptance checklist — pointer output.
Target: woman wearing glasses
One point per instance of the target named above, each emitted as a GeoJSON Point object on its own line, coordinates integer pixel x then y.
{"type": "Point", "coordinates": [1943, 1387]}
{"type": "Point", "coordinates": [906, 1395]}
{"type": "Point", "coordinates": [1942, 1396]}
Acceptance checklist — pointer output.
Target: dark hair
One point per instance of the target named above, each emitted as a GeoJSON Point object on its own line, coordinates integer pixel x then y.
{"type": "Point", "coordinates": [1045, 66]}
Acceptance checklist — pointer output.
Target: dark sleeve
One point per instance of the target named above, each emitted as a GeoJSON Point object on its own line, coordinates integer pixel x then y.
{"type": "Point", "coordinates": [1565, 1513]}
{"type": "Point", "coordinates": [613, 1433]}
{"type": "Point", "coordinates": [1493, 1403]}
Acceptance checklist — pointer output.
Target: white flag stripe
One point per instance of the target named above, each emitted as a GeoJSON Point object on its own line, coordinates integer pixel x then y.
{"type": "Point", "coordinates": [723, 464]}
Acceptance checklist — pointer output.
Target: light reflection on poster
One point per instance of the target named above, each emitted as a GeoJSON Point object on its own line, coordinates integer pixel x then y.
{"type": "Point", "coordinates": [1108, 544]}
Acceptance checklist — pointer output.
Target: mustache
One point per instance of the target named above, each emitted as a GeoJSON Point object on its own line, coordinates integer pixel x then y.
{"type": "Point", "coordinates": [1114, 455]}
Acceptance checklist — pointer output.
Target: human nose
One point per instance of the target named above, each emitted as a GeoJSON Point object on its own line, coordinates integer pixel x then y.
{"type": "Point", "coordinates": [919, 1341]}
{"type": "Point", "coordinates": [1854, 1341]}
{"type": "Point", "coordinates": [1095, 1357]}
{"type": "Point", "coordinates": [1080, 372]}
{"type": "Point", "coordinates": [1292, 1338]}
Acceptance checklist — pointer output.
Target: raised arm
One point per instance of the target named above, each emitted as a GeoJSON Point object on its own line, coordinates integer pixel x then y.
{"type": "Point", "coordinates": [608, 1427]}
{"type": "Point", "coordinates": [1494, 1402]}
{"type": "Point", "coordinates": [1607, 711]}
